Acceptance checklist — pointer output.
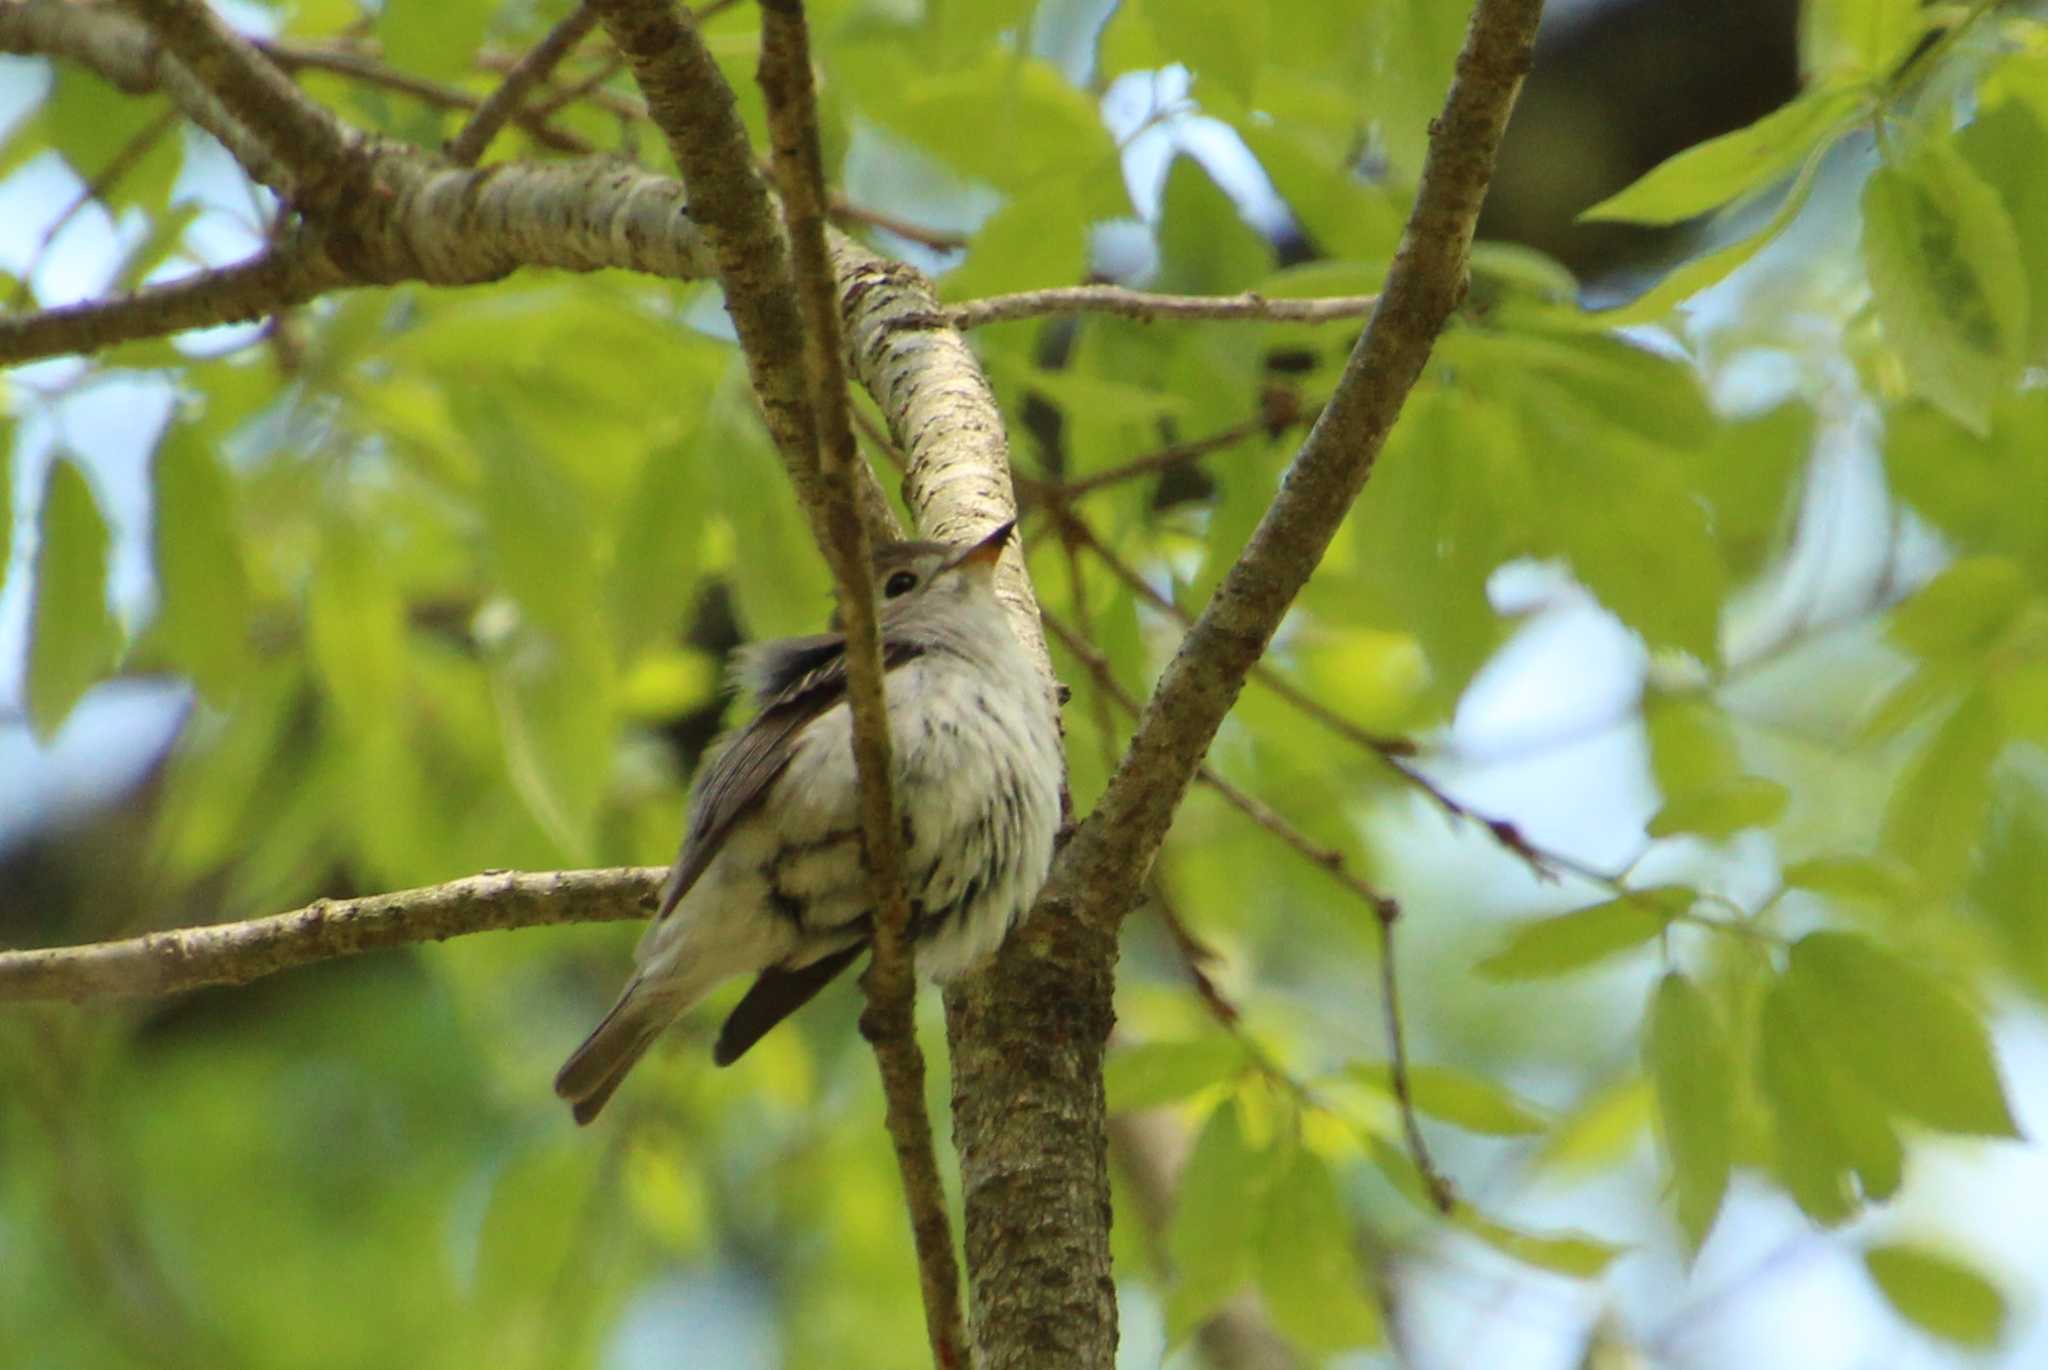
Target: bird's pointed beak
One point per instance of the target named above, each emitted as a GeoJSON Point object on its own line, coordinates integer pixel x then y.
{"type": "Point", "coordinates": [985, 552]}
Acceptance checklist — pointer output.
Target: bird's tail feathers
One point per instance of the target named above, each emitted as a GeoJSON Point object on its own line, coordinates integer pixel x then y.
{"type": "Point", "coordinates": [597, 1068]}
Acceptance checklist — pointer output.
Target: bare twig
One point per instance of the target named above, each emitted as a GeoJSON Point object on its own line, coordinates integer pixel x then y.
{"type": "Point", "coordinates": [236, 953]}
{"type": "Point", "coordinates": [889, 1022]}
{"type": "Point", "coordinates": [504, 102]}
{"type": "Point", "coordinates": [1327, 859]}
{"type": "Point", "coordinates": [368, 70]}
{"type": "Point", "coordinates": [119, 165]}
{"type": "Point", "coordinates": [1440, 1193]}
{"type": "Point", "coordinates": [1145, 306]}
{"type": "Point", "coordinates": [846, 212]}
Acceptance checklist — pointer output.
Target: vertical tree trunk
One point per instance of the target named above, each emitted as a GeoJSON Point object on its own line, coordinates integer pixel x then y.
{"type": "Point", "coordinates": [1031, 1126]}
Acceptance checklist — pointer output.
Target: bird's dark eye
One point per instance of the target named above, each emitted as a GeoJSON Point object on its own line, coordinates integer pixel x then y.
{"type": "Point", "coordinates": [902, 583]}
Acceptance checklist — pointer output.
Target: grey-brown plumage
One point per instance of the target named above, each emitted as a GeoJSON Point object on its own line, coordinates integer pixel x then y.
{"type": "Point", "coordinates": [770, 879]}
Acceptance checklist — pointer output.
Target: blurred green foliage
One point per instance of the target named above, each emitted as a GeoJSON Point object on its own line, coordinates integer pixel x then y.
{"type": "Point", "coordinates": [453, 575]}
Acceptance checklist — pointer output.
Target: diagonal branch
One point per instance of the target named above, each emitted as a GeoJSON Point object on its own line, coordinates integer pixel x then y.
{"type": "Point", "coordinates": [503, 104]}
{"type": "Point", "coordinates": [1100, 872]}
{"type": "Point", "coordinates": [236, 953]}
{"type": "Point", "coordinates": [308, 156]}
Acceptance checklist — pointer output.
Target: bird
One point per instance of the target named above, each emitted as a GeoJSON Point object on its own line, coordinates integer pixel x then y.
{"type": "Point", "coordinates": [771, 878]}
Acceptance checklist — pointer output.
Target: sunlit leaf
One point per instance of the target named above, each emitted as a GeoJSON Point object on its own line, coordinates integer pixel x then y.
{"type": "Point", "coordinates": [1937, 810]}
{"type": "Point", "coordinates": [1950, 285]}
{"type": "Point", "coordinates": [1310, 1278]}
{"type": "Point", "coordinates": [1563, 1253]}
{"type": "Point", "coordinates": [1216, 1219]}
{"type": "Point", "coordinates": [72, 636]}
{"type": "Point", "coordinates": [202, 585]}
{"type": "Point", "coordinates": [1833, 1144]}
{"type": "Point", "coordinates": [1907, 1038]}
{"type": "Point", "coordinates": [1686, 1057]}
{"type": "Point", "coordinates": [1747, 801]}
{"type": "Point", "coordinates": [1571, 941]}
{"type": "Point", "coordinates": [1939, 1294]}
{"type": "Point", "coordinates": [1710, 174]}
{"type": "Point", "coordinates": [1152, 1073]}
{"type": "Point", "coordinates": [1961, 612]}
{"type": "Point", "coordinates": [1460, 1097]}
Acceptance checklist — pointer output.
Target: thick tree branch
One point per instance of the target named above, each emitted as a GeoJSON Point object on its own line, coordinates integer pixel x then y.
{"type": "Point", "coordinates": [890, 1022]}
{"type": "Point", "coordinates": [236, 953]}
{"type": "Point", "coordinates": [1101, 871]}
{"type": "Point", "coordinates": [1145, 306]}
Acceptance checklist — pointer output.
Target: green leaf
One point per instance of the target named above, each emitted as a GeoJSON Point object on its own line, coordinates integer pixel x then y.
{"type": "Point", "coordinates": [1205, 245]}
{"type": "Point", "coordinates": [95, 125]}
{"type": "Point", "coordinates": [1710, 174]}
{"type": "Point", "coordinates": [1857, 39]}
{"type": "Point", "coordinates": [202, 585]}
{"type": "Point", "coordinates": [1904, 1036]}
{"type": "Point", "coordinates": [73, 639]}
{"type": "Point", "coordinates": [1619, 510]}
{"type": "Point", "coordinates": [1950, 285]}
{"type": "Point", "coordinates": [1747, 801]}
{"type": "Point", "coordinates": [1983, 492]}
{"type": "Point", "coordinates": [1451, 499]}
{"type": "Point", "coordinates": [437, 41]}
{"type": "Point", "coordinates": [1314, 1287]}
{"type": "Point", "coordinates": [1961, 612]}
{"type": "Point", "coordinates": [1692, 743]}
{"type": "Point", "coordinates": [2007, 145]}
{"type": "Point", "coordinates": [2009, 887]}
{"type": "Point", "coordinates": [1034, 241]}
{"type": "Point", "coordinates": [1939, 1294]}
{"type": "Point", "coordinates": [1687, 1059]}
{"type": "Point", "coordinates": [1877, 878]}
{"type": "Point", "coordinates": [1219, 40]}
{"type": "Point", "coordinates": [1153, 1073]}
{"type": "Point", "coordinates": [1936, 812]}
{"type": "Point", "coordinates": [1014, 123]}
{"type": "Point", "coordinates": [1216, 1220]}
{"type": "Point", "coordinates": [1834, 1146]}
{"type": "Point", "coordinates": [1459, 1097]}
{"type": "Point", "coordinates": [1564, 1253]}
{"type": "Point", "coordinates": [1747, 473]}
{"type": "Point", "coordinates": [1719, 263]}
{"type": "Point", "coordinates": [1571, 941]}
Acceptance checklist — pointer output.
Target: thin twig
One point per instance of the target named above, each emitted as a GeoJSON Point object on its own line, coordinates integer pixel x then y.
{"type": "Point", "coordinates": [889, 1022]}
{"type": "Point", "coordinates": [236, 953]}
{"type": "Point", "coordinates": [939, 240]}
{"type": "Point", "coordinates": [120, 164]}
{"type": "Point", "coordinates": [1327, 859]}
{"type": "Point", "coordinates": [1146, 306]}
{"type": "Point", "coordinates": [370, 71]}
{"type": "Point", "coordinates": [1440, 1193]}
{"type": "Point", "coordinates": [505, 101]}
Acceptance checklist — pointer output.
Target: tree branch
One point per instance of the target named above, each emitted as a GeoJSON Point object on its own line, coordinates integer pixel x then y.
{"type": "Point", "coordinates": [1101, 870]}
{"type": "Point", "coordinates": [890, 1021]}
{"type": "Point", "coordinates": [1145, 306]}
{"type": "Point", "coordinates": [504, 103]}
{"type": "Point", "coordinates": [236, 953]}
{"type": "Point", "coordinates": [273, 280]}
{"type": "Point", "coordinates": [308, 156]}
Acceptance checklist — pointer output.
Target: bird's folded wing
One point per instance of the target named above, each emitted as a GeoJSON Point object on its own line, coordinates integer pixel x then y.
{"type": "Point", "coordinates": [796, 680]}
